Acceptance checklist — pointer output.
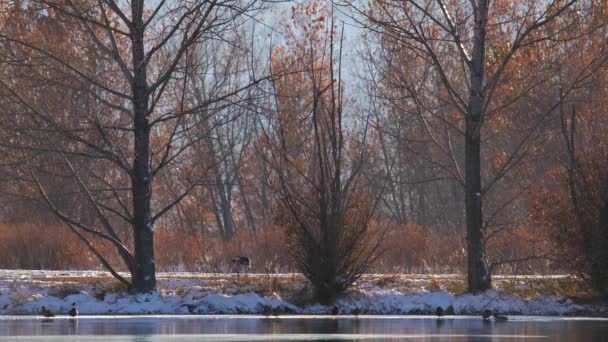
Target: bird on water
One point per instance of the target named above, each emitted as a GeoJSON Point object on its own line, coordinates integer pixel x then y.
{"type": "Point", "coordinates": [46, 312]}
{"type": "Point", "coordinates": [73, 311]}
{"type": "Point", "coordinates": [486, 314]}
{"type": "Point", "coordinates": [266, 310]}
{"type": "Point", "coordinates": [500, 318]}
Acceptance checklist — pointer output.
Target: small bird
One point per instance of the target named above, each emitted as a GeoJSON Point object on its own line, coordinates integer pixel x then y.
{"type": "Point", "coordinates": [73, 311]}
{"type": "Point", "coordinates": [335, 311]}
{"type": "Point", "coordinates": [46, 312]}
{"type": "Point", "coordinates": [486, 314]}
{"type": "Point", "coordinates": [439, 311]}
{"type": "Point", "coordinates": [500, 318]}
{"type": "Point", "coordinates": [276, 311]}
{"type": "Point", "coordinates": [266, 310]}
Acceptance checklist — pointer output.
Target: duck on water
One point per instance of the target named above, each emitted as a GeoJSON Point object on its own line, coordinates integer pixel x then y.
{"type": "Point", "coordinates": [497, 317]}
{"type": "Point", "coordinates": [73, 311]}
{"type": "Point", "coordinates": [46, 312]}
{"type": "Point", "coordinates": [49, 314]}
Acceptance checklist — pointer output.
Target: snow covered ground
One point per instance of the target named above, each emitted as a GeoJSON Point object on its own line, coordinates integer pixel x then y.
{"type": "Point", "coordinates": [95, 293]}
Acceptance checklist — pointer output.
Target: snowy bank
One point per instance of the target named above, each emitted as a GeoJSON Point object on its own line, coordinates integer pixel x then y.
{"type": "Point", "coordinates": [379, 301]}
{"type": "Point", "coordinates": [26, 292]}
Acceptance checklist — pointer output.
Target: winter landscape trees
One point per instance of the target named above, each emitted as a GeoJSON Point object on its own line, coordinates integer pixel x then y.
{"type": "Point", "coordinates": [321, 201]}
{"type": "Point", "coordinates": [463, 55]}
{"type": "Point", "coordinates": [128, 62]}
{"type": "Point", "coordinates": [325, 138]}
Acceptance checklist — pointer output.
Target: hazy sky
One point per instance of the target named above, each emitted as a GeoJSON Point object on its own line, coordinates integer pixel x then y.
{"type": "Point", "coordinates": [352, 34]}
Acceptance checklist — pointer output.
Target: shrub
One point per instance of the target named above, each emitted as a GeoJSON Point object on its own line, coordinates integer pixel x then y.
{"type": "Point", "coordinates": [578, 220]}
{"type": "Point", "coordinates": [332, 247]}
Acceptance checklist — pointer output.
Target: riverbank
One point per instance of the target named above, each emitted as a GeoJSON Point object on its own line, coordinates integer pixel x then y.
{"type": "Point", "coordinates": [24, 292]}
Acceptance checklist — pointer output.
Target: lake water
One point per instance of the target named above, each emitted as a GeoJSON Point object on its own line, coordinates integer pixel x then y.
{"type": "Point", "coordinates": [292, 328]}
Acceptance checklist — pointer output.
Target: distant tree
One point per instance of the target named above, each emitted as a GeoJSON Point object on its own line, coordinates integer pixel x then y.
{"type": "Point", "coordinates": [227, 132]}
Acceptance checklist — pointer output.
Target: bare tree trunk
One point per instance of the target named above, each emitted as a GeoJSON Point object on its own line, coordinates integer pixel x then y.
{"type": "Point", "coordinates": [265, 200]}
{"type": "Point", "coordinates": [478, 273]}
{"type": "Point", "coordinates": [246, 206]}
{"type": "Point", "coordinates": [144, 279]}
{"type": "Point", "coordinates": [225, 203]}
{"type": "Point", "coordinates": [222, 202]}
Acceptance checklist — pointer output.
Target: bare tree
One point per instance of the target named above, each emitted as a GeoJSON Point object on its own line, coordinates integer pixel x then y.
{"type": "Point", "coordinates": [143, 51]}
{"type": "Point", "coordinates": [228, 130]}
{"type": "Point", "coordinates": [581, 232]}
{"type": "Point", "coordinates": [469, 48]}
{"type": "Point", "coordinates": [321, 202]}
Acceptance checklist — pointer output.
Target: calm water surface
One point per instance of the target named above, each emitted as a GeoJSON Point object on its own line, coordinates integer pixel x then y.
{"type": "Point", "coordinates": [284, 328]}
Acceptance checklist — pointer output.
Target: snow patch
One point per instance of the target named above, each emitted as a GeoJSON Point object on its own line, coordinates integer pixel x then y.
{"type": "Point", "coordinates": [379, 301]}
{"type": "Point", "coordinates": [249, 303]}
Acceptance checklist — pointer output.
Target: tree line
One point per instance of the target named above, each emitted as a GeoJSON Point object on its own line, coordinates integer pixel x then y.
{"type": "Point", "coordinates": [480, 118]}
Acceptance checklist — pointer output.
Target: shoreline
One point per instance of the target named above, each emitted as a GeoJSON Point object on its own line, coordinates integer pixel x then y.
{"type": "Point", "coordinates": [94, 293]}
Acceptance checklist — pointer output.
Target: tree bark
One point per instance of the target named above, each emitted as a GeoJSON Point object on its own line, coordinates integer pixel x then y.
{"type": "Point", "coordinates": [143, 277]}
{"type": "Point", "coordinates": [479, 278]}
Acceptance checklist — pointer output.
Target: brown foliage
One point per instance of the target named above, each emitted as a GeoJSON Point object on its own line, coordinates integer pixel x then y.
{"type": "Point", "coordinates": [37, 246]}
{"type": "Point", "coordinates": [177, 249]}
{"type": "Point", "coordinates": [405, 246]}
{"type": "Point", "coordinates": [412, 248]}
{"type": "Point", "coordinates": [522, 249]}
{"type": "Point", "coordinates": [579, 226]}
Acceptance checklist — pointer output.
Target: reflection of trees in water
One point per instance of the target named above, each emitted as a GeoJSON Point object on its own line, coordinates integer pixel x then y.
{"type": "Point", "coordinates": [386, 329]}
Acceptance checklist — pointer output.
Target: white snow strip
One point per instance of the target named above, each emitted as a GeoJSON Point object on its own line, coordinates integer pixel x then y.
{"type": "Point", "coordinates": [184, 293]}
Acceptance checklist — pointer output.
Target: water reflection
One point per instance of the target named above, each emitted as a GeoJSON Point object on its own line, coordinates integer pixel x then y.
{"type": "Point", "coordinates": [197, 328]}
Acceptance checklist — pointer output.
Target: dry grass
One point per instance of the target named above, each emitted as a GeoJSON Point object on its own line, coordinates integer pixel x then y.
{"type": "Point", "coordinates": [85, 280]}
{"type": "Point", "coordinates": [111, 287]}
{"type": "Point", "coordinates": [63, 291]}
{"type": "Point", "coordinates": [386, 280]}
{"type": "Point", "coordinates": [434, 285]}
{"type": "Point", "coordinates": [533, 288]}
{"type": "Point", "coordinates": [456, 286]}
